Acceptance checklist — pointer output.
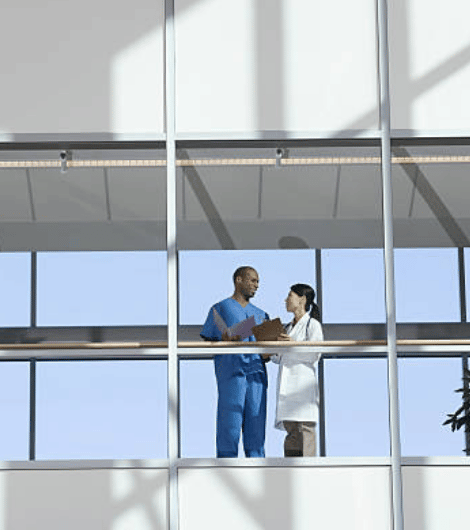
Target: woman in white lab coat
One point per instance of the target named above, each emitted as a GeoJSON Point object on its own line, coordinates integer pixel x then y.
{"type": "Point", "coordinates": [297, 388]}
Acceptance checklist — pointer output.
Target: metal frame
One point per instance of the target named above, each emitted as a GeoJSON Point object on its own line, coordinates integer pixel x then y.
{"type": "Point", "coordinates": [172, 266]}
{"type": "Point", "coordinates": [32, 410]}
{"type": "Point", "coordinates": [320, 368]}
{"type": "Point", "coordinates": [32, 363]}
{"type": "Point", "coordinates": [463, 318]}
{"type": "Point", "coordinates": [38, 141]}
{"type": "Point", "coordinates": [394, 412]}
{"type": "Point", "coordinates": [154, 334]}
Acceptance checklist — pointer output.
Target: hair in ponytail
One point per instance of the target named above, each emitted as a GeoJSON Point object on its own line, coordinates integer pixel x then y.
{"type": "Point", "coordinates": [302, 289]}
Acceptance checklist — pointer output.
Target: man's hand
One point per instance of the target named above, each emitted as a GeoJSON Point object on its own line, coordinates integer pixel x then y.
{"type": "Point", "coordinates": [284, 336]}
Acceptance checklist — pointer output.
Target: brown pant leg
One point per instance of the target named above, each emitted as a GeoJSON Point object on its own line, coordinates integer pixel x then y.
{"type": "Point", "coordinates": [301, 438]}
{"type": "Point", "coordinates": [308, 438]}
{"type": "Point", "coordinates": [292, 441]}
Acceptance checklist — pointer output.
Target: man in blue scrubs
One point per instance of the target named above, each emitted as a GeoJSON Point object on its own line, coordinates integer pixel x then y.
{"type": "Point", "coordinates": [241, 379]}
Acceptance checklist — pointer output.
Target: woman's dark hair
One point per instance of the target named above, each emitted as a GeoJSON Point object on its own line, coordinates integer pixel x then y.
{"type": "Point", "coordinates": [302, 289]}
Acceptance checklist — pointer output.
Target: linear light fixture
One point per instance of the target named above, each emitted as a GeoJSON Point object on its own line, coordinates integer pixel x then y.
{"type": "Point", "coordinates": [214, 162]}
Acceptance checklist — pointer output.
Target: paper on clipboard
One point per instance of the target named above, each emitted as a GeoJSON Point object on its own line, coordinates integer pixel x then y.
{"type": "Point", "coordinates": [243, 328]}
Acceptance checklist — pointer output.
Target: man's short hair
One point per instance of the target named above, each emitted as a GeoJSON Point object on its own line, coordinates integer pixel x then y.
{"type": "Point", "coordinates": [241, 271]}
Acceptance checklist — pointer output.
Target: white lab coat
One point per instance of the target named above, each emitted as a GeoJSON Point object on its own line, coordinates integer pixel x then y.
{"type": "Point", "coordinates": [297, 388]}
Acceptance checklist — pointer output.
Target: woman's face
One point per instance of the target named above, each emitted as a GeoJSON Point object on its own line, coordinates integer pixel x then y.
{"type": "Point", "coordinates": [294, 302]}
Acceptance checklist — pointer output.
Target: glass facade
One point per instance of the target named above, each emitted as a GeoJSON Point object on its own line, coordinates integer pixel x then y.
{"type": "Point", "coordinates": [314, 212]}
{"type": "Point", "coordinates": [15, 284]}
{"type": "Point", "coordinates": [101, 288]}
{"type": "Point", "coordinates": [259, 136]}
{"type": "Point", "coordinates": [101, 409]}
{"type": "Point", "coordinates": [430, 233]}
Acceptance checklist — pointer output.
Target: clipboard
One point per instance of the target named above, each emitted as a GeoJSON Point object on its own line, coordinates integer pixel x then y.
{"type": "Point", "coordinates": [268, 330]}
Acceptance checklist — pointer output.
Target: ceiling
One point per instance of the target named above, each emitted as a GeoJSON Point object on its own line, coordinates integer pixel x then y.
{"type": "Point", "coordinates": [233, 205]}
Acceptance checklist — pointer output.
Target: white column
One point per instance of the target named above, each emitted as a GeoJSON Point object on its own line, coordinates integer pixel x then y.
{"type": "Point", "coordinates": [172, 264]}
{"type": "Point", "coordinates": [395, 449]}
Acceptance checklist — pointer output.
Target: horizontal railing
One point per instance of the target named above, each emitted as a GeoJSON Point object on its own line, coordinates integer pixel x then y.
{"type": "Point", "coordinates": [141, 350]}
{"type": "Point", "coordinates": [116, 345]}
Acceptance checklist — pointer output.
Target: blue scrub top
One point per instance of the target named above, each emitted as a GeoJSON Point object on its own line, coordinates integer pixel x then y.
{"type": "Point", "coordinates": [232, 313]}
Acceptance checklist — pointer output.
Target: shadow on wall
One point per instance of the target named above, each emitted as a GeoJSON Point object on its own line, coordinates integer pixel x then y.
{"type": "Point", "coordinates": [287, 242]}
{"type": "Point", "coordinates": [99, 499]}
{"type": "Point", "coordinates": [284, 498]}
{"type": "Point", "coordinates": [412, 94]}
{"type": "Point", "coordinates": [57, 74]}
{"type": "Point", "coordinates": [99, 68]}
{"type": "Point", "coordinates": [249, 498]}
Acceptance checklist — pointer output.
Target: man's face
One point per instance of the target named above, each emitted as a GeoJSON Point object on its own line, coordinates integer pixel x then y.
{"type": "Point", "coordinates": [248, 284]}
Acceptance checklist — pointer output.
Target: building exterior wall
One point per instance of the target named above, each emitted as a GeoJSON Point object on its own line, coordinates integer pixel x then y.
{"type": "Point", "coordinates": [132, 495]}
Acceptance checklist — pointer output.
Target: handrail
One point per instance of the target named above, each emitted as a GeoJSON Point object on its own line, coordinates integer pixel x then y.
{"type": "Point", "coordinates": [83, 345]}
{"type": "Point", "coordinates": [214, 345]}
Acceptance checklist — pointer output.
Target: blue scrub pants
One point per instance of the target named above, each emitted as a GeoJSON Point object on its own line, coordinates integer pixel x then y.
{"type": "Point", "coordinates": [241, 407]}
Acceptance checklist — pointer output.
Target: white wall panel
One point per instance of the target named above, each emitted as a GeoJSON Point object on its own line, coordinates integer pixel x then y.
{"type": "Point", "coordinates": [215, 65]}
{"type": "Point", "coordinates": [357, 498]}
{"type": "Point", "coordinates": [435, 497]}
{"type": "Point", "coordinates": [330, 65]}
{"type": "Point", "coordinates": [430, 64]}
{"type": "Point", "coordinates": [292, 65]}
{"type": "Point", "coordinates": [293, 498]}
{"type": "Point", "coordinates": [119, 499]}
{"type": "Point", "coordinates": [92, 68]}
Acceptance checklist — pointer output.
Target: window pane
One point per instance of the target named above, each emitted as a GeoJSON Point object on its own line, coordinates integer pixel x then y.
{"type": "Point", "coordinates": [427, 285]}
{"type": "Point", "coordinates": [467, 279]}
{"type": "Point", "coordinates": [101, 409]}
{"type": "Point", "coordinates": [426, 397]}
{"type": "Point", "coordinates": [198, 404]}
{"type": "Point", "coordinates": [356, 407]}
{"type": "Point", "coordinates": [206, 278]}
{"type": "Point", "coordinates": [101, 288]}
{"type": "Point", "coordinates": [14, 410]}
{"type": "Point", "coordinates": [430, 196]}
{"type": "Point", "coordinates": [270, 210]}
{"type": "Point", "coordinates": [353, 285]}
{"type": "Point", "coordinates": [15, 286]}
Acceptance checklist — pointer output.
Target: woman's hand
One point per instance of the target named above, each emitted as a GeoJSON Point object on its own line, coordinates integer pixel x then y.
{"type": "Point", "coordinates": [284, 336]}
